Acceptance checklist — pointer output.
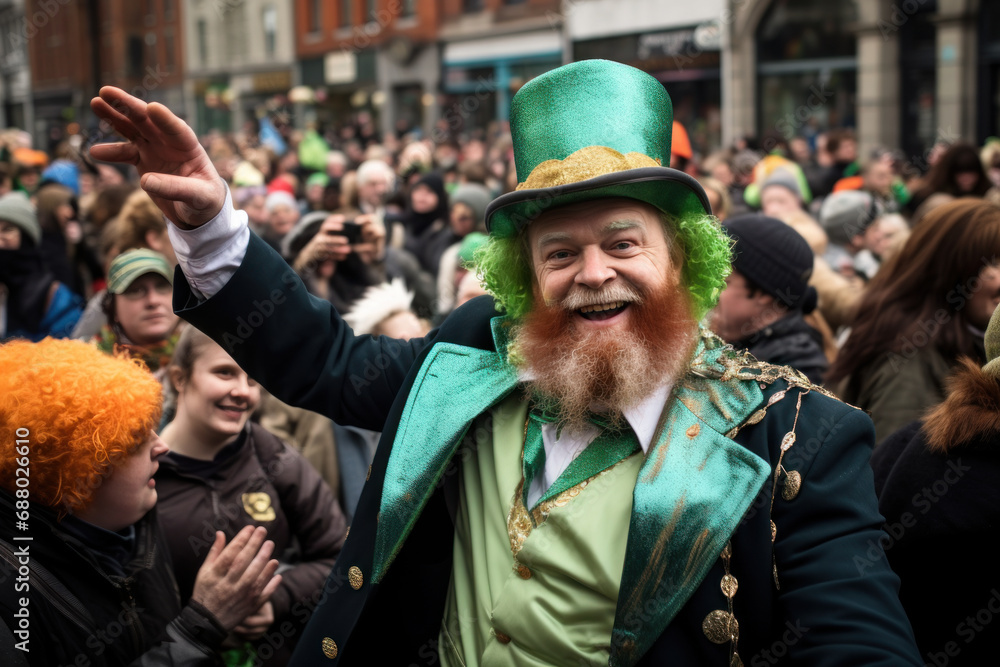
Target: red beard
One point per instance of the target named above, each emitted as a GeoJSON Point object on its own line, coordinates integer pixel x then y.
{"type": "Point", "coordinates": [575, 370]}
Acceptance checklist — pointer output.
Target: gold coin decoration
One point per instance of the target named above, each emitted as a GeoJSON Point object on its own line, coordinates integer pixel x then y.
{"type": "Point", "coordinates": [793, 483]}
{"type": "Point", "coordinates": [355, 578]}
{"type": "Point", "coordinates": [729, 585]}
{"type": "Point", "coordinates": [329, 648]}
{"type": "Point", "coordinates": [787, 441]}
{"type": "Point", "coordinates": [774, 531]}
{"type": "Point", "coordinates": [720, 627]}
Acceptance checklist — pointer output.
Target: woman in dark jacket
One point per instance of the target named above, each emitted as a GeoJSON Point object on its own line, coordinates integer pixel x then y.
{"type": "Point", "coordinates": [939, 489]}
{"type": "Point", "coordinates": [225, 473]}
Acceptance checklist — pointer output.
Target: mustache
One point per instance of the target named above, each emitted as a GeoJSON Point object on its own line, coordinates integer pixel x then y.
{"type": "Point", "coordinates": [581, 297]}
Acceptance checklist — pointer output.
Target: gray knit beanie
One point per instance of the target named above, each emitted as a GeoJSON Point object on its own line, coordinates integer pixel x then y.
{"type": "Point", "coordinates": [16, 209]}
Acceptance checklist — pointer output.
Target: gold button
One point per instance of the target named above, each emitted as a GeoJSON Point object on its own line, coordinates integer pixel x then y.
{"type": "Point", "coordinates": [329, 648]}
{"type": "Point", "coordinates": [720, 627]}
{"type": "Point", "coordinates": [793, 483]}
{"type": "Point", "coordinates": [501, 637]}
{"type": "Point", "coordinates": [523, 571]}
{"type": "Point", "coordinates": [729, 585]}
{"type": "Point", "coordinates": [693, 431]}
{"type": "Point", "coordinates": [355, 577]}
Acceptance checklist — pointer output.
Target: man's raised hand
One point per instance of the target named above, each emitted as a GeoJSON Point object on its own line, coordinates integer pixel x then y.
{"type": "Point", "coordinates": [173, 166]}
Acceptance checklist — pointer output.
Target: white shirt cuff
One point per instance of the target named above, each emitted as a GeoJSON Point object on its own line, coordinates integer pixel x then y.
{"type": "Point", "coordinates": [210, 254]}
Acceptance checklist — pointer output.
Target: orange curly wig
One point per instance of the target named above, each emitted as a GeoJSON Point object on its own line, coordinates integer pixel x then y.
{"type": "Point", "coordinates": [84, 411]}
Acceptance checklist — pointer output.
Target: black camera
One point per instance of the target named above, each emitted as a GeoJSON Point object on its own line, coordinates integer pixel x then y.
{"type": "Point", "coordinates": [352, 231]}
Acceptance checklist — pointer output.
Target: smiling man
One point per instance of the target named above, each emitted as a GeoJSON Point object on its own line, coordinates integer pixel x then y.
{"type": "Point", "coordinates": [571, 472]}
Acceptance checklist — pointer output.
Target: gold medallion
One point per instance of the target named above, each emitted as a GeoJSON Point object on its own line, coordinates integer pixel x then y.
{"type": "Point", "coordinates": [793, 482]}
{"type": "Point", "coordinates": [720, 627]}
{"type": "Point", "coordinates": [258, 506]}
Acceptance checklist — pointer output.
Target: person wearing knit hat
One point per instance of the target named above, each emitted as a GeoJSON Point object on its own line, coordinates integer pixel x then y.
{"type": "Point", "coordinates": [860, 232]}
{"type": "Point", "coordinates": [18, 219]}
{"type": "Point", "coordinates": [780, 194]}
{"type": "Point", "coordinates": [138, 309]}
{"type": "Point", "coordinates": [791, 189]}
{"type": "Point", "coordinates": [766, 295]}
{"type": "Point", "coordinates": [33, 303]}
{"type": "Point", "coordinates": [63, 172]}
{"type": "Point", "coordinates": [81, 424]}
{"type": "Point", "coordinates": [581, 393]}
{"type": "Point", "coordinates": [940, 478]}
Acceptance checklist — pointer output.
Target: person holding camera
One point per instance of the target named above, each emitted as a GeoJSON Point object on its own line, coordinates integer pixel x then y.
{"type": "Point", "coordinates": [337, 257]}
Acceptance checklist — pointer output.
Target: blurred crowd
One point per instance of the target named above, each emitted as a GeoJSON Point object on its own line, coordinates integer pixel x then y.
{"type": "Point", "coordinates": [875, 275]}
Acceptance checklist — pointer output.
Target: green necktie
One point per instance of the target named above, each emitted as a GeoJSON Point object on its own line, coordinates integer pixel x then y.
{"type": "Point", "coordinates": [610, 447]}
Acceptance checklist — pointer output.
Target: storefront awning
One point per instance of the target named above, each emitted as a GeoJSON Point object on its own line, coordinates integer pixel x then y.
{"type": "Point", "coordinates": [507, 47]}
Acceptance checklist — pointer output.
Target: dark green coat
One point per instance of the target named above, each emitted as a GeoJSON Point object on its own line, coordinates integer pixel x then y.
{"type": "Point", "coordinates": [837, 603]}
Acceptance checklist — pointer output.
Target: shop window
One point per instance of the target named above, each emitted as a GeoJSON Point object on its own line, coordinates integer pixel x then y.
{"type": "Point", "coordinates": [315, 16]}
{"type": "Point", "coordinates": [202, 42]}
{"type": "Point", "coordinates": [346, 13]}
{"type": "Point", "coordinates": [269, 20]}
{"type": "Point", "coordinates": [988, 92]}
{"type": "Point", "coordinates": [806, 68]}
{"type": "Point", "coordinates": [918, 81]}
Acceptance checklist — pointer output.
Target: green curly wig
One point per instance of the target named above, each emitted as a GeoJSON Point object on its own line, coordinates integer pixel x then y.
{"type": "Point", "coordinates": [505, 264]}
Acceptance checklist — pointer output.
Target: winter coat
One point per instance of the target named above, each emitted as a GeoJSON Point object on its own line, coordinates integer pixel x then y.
{"type": "Point", "coordinates": [80, 613]}
{"type": "Point", "coordinates": [898, 388]}
{"type": "Point", "coordinates": [939, 489]}
{"type": "Point", "coordinates": [256, 481]}
{"type": "Point", "coordinates": [789, 342]}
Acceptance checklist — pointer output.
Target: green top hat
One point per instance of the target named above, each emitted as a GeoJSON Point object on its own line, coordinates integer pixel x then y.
{"type": "Point", "coordinates": [588, 130]}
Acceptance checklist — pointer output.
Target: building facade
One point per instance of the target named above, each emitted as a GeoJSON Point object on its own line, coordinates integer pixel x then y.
{"type": "Point", "coordinates": [376, 58]}
{"type": "Point", "coordinates": [16, 108]}
{"type": "Point", "coordinates": [904, 74]}
{"type": "Point", "coordinates": [240, 58]}
{"type": "Point", "coordinates": [678, 43]}
{"type": "Point", "coordinates": [75, 47]}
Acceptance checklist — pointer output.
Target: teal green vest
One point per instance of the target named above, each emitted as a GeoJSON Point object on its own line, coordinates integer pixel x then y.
{"type": "Point", "coordinates": [554, 603]}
